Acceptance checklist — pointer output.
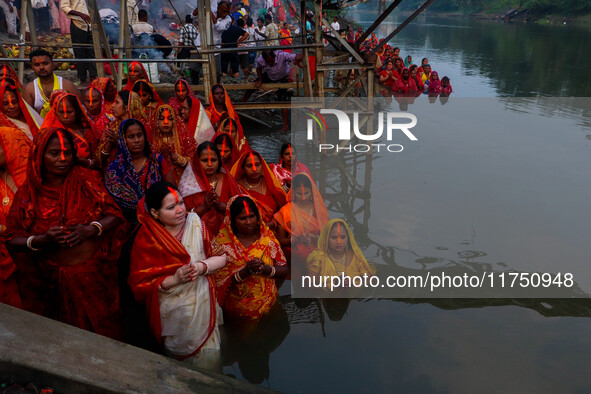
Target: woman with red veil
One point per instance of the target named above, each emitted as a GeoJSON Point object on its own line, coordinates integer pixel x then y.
{"type": "Point", "coordinates": [195, 120]}
{"type": "Point", "coordinates": [64, 233]}
{"type": "Point", "coordinates": [14, 111]}
{"type": "Point", "coordinates": [135, 72]}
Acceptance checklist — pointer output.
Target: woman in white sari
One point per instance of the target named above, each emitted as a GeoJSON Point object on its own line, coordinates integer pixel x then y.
{"type": "Point", "coordinates": [171, 262]}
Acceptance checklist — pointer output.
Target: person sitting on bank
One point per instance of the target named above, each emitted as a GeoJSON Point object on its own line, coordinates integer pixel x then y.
{"type": "Point", "coordinates": [37, 92]}
{"type": "Point", "coordinates": [273, 67]}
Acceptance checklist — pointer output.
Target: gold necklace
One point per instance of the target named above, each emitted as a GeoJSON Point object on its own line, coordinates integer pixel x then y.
{"type": "Point", "coordinates": [214, 183]}
{"type": "Point", "coordinates": [249, 186]}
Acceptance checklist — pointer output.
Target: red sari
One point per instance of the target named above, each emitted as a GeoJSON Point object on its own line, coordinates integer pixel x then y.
{"type": "Point", "coordinates": [8, 72]}
{"type": "Point", "coordinates": [215, 116]}
{"type": "Point", "coordinates": [194, 187]}
{"type": "Point", "coordinates": [5, 121]}
{"type": "Point", "coordinates": [102, 83]}
{"type": "Point", "coordinates": [156, 255]}
{"type": "Point", "coordinates": [179, 141]}
{"type": "Point", "coordinates": [82, 293]}
{"type": "Point", "coordinates": [16, 146]}
{"type": "Point", "coordinates": [156, 100]}
{"type": "Point", "coordinates": [174, 101]}
{"type": "Point", "coordinates": [101, 121]}
{"type": "Point", "coordinates": [284, 174]}
{"type": "Point", "coordinates": [129, 85]}
{"type": "Point", "coordinates": [87, 143]}
{"type": "Point", "coordinates": [273, 199]}
{"type": "Point", "coordinates": [405, 86]}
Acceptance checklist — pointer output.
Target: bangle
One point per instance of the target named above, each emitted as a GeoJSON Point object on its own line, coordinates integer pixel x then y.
{"type": "Point", "coordinates": [238, 278]}
{"type": "Point", "coordinates": [272, 274]}
{"type": "Point", "coordinates": [105, 153]}
{"type": "Point", "coordinates": [30, 244]}
{"type": "Point", "coordinates": [99, 226]}
{"type": "Point", "coordinates": [206, 267]}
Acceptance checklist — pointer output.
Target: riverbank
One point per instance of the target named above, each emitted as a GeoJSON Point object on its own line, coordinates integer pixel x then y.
{"type": "Point", "coordinates": [583, 20]}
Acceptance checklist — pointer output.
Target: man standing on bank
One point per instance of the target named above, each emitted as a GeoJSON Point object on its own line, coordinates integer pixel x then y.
{"type": "Point", "coordinates": [38, 92]}
{"type": "Point", "coordinates": [77, 11]}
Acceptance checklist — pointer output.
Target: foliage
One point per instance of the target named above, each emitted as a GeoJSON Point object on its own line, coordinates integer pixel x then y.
{"type": "Point", "coordinates": [536, 6]}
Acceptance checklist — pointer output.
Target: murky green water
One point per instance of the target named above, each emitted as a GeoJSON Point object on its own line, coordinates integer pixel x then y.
{"type": "Point", "coordinates": [509, 197]}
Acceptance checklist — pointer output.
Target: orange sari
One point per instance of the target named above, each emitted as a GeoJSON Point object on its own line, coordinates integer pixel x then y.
{"type": "Point", "coordinates": [84, 293]}
{"type": "Point", "coordinates": [87, 143]}
{"type": "Point", "coordinates": [303, 227]}
{"type": "Point", "coordinates": [273, 199]}
{"type": "Point", "coordinates": [102, 83]}
{"type": "Point", "coordinates": [255, 296]}
{"type": "Point", "coordinates": [215, 116]}
{"type": "Point", "coordinates": [156, 254]}
{"type": "Point", "coordinates": [16, 146]}
{"type": "Point", "coordinates": [129, 85]}
{"type": "Point", "coordinates": [178, 141]}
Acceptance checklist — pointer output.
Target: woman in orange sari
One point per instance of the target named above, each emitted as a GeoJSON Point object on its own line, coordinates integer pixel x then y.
{"type": "Point", "coordinates": [15, 112]}
{"type": "Point", "coordinates": [206, 186]}
{"type": "Point", "coordinates": [64, 234]}
{"type": "Point", "coordinates": [256, 179]}
{"type": "Point", "coordinates": [301, 219]}
{"type": "Point", "coordinates": [195, 120]}
{"type": "Point", "coordinates": [109, 89]}
{"type": "Point", "coordinates": [14, 153]}
{"type": "Point", "coordinates": [150, 99]}
{"type": "Point", "coordinates": [67, 113]}
{"type": "Point", "coordinates": [171, 140]}
{"type": "Point", "coordinates": [246, 284]}
{"type": "Point", "coordinates": [135, 72]}
{"type": "Point", "coordinates": [172, 262]}
{"type": "Point", "coordinates": [220, 108]}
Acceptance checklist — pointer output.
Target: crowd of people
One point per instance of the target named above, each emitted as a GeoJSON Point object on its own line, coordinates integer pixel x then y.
{"type": "Point", "coordinates": [107, 192]}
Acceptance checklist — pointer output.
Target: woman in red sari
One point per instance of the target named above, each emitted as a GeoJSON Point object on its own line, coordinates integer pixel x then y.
{"type": "Point", "coordinates": [94, 102]}
{"type": "Point", "coordinates": [171, 140]}
{"type": "Point", "coordinates": [135, 72]}
{"type": "Point", "coordinates": [230, 127]}
{"type": "Point", "coordinates": [150, 99]}
{"type": "Point", "coordinates": [246, 284]}
{"type": "Point", "coordinates": [182, 91]}
{"type": "Point", "coordinates": [109, 90]}
{"type": "Point", "coordinates": [434, 83]}
{"type": "Point", "coordinates": [288, 166]}
{"type": "Point", "coordinates": [64, 233]}
{"type": "Point", "coordinates": [14, 154]}
{"type": "Point", "coordinates": [257, 180]}
{"type": "Point", "coordinates": [414, 75]}
{"type": "Point", "coordinates": [15, 112]}
{"type": "Point", "coordinates": [67, 113]}
{"type": "Point", "coordinates": [405, 85]}
{"type": "Point", "coordinates": [388, 77]}
{"type": "Point", "coordinates": [172, 262]}
{"type": "Point", "coordinates": [301, 219]}
{"type": "Point", "coordinates": [207, 186]}
{"type": "Point", "coordinates": [195, 120]}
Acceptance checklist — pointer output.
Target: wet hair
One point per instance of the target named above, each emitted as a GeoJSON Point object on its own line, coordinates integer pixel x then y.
{"type": "Point", "coordinates": [208, 144]}
{"type": "Point", "coordinates": [124, 94]}
{"type": "Point", "coordinates": [445, 79]}
{"type": "Point", "coordinates": [131, 122]}
{"type": "Point", "coordinates": [40, 52]}
{"type": "Point", "coordinates": [299, 180]}
{"type": "Point", "coordinates": [156, 193]}
{"type": "Point", "coordinates": [219, 140]}
{"type": "Point", "coordinates": [284, 147]}
{"type": "Point", "coordinates": [238, 206]}
{"type": "Point", "coordinates": [257, 154]}
{"type": "Point", "coordinates": [142, 86]}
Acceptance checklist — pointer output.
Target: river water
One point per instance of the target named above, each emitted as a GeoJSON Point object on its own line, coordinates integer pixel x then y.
{"type": "Point", "coordinates": [480, 203]}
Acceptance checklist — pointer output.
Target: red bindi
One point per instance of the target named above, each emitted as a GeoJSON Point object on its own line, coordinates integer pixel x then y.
{"type": "Point", "coordinates": [224, 145]}
{"type": "Point", "coordinates": [166, 116]}
{"type": "Point", "coordinates": [90, 96]}
{"type": "Point", "coordinates": [64, 108]}
{"type": "Point", "coordinates": [174, 193]}
{"type": "Point", "coordinates": [181, 88]}
{"type": "Point", "coordinates": [61, 138]}
{"type": "Point", "coordinates": [254, 166]}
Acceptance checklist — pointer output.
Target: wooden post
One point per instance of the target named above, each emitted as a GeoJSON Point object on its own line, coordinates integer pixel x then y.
{"type": "Point", "coordinates": [122, 20]}
{"type": "Point", "coordinates": [204, 28]}
{"type": "Point", "coordinates": [319, 54]}
{"type": "Point", "coordinates": [209, 34]}
{"type": "Point", "coordinates": [21, 46]}
{"type": "Point", "coordinates": [95, 21]}
{"type": "Point", "coordinates": [32, 29]}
